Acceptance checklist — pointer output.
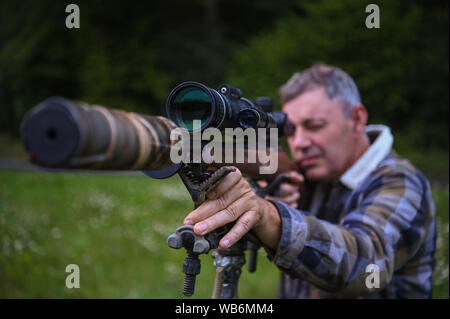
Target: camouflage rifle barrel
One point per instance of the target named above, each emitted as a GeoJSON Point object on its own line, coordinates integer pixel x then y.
{"type": "Point", "coordinates": [59, 133]}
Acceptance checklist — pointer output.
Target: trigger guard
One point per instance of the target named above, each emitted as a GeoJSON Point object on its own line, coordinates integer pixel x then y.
{"type": "Point", "coordinates": [271, 187]}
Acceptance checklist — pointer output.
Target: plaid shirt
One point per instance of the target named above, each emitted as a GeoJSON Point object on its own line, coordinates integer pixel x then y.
{"type": "Point", "coordinates": [378, 216]}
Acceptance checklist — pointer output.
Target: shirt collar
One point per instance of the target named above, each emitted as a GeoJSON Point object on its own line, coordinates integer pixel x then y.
{"type": "Point", "coordinates": [377, 151]}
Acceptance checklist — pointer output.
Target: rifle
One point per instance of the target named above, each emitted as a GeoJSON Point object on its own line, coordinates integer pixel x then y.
{"type": "Point", "coordinates": [59, 133]}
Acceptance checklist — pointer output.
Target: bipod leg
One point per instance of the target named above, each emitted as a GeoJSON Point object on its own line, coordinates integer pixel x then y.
{"type": "Point", "coordinates": [228, 263]}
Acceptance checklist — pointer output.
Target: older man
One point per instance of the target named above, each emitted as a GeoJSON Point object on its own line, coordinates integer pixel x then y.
{"type": "Point", "coordinates": [369, 229]}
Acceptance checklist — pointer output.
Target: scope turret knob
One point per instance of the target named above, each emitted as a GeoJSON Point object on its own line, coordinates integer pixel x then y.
{"type": "Point", "coordinates": [265, 103]}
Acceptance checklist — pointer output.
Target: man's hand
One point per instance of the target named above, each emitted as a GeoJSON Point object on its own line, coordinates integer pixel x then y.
{"type": "Point", "coordinates": [289, 192]}
{"type": "Point", "coordinates": [234, 200]}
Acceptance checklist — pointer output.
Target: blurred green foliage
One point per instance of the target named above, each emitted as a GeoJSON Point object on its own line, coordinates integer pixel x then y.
{"type": "Point", "coordinates": [125, 54]}
{"type": "Point", "coordinates": [130, 55]}
{"type": "Point", "coordinates": [401, 69]}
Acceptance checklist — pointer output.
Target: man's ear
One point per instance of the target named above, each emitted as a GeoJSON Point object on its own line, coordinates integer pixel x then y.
{"type": "Point", "coordinates": [359, 116]}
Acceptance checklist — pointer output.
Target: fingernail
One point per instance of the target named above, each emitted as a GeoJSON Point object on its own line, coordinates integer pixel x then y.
{"type": "Point", "coordinates": [202, 227]}
{"type": "Point", "coordinates": [189, 222]}
{"type": "Point", "coordinates": [226, 242]}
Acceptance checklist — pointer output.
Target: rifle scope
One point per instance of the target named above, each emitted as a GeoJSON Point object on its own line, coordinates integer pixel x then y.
{"type": "Point", "coordinates": [221, 108]}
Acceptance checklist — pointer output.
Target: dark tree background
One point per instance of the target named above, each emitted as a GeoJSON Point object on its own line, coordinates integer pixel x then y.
{"type": "Point", "coordinates": [129, 54]}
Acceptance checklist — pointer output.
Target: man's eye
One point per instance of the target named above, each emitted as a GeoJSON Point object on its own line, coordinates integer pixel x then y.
{"type": "Point", "coordinates": [315, 126]}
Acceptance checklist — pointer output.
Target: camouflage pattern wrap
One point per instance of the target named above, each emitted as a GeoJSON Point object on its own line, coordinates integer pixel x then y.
{"type": "Point", "coordinates": [67, 134]}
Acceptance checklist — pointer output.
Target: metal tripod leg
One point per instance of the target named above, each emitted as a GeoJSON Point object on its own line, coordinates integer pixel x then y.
{"type": "Point", "coordinates": [228, 263]}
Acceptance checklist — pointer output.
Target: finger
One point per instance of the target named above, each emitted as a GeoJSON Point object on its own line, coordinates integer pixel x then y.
{"type": "Point", "coordinates": [211, 207]}
{"type": "Point", "coordinates": [262, 183]}
{"type": "Point", "coordinates": [296, 177]}
{"type": "Point", "coordinates": [291, 199]}
{"type": "Point", "coordinates": [287, 189]}
{"type": "Point", "coordinates": [223, 217]}
{"type": "Point", "coordinates": [242, 227]}
{"type": "Point", "coordinates": [228, 182]}
{"type": "Point", "coordinates": [293, 205]}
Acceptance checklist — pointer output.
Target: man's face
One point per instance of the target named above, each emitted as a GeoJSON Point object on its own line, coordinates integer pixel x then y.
{"type": "Point", "coordinates": [323, 139]}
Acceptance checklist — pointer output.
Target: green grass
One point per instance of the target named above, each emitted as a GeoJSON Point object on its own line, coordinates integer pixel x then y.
{"type": "Point", "coordinates": [115, 229]}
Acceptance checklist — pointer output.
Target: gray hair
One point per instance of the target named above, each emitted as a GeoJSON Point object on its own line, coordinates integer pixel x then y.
{"type": "Point", "coordinates": [338, 85]}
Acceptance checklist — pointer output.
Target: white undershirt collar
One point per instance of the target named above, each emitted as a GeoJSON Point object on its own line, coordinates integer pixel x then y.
{"type": "Point", "coordinates": [377, 151]}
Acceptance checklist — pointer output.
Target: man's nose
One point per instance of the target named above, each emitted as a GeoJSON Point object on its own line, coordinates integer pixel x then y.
{"type": "Point", "coordinates": [301, 140]}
